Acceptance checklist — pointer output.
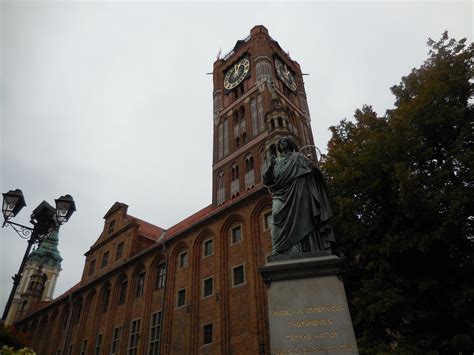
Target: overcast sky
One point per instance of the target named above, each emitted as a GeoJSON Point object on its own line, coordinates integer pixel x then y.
{"type": "Point", "coordinates": [110, 101]}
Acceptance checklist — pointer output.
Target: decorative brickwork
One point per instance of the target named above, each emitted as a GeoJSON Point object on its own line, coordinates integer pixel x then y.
{"type": "Point", "coordinates": [195, 287]}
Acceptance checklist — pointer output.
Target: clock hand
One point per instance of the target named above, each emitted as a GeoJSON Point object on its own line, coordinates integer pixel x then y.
{"type": "Point", "coordinates": [236, 69]}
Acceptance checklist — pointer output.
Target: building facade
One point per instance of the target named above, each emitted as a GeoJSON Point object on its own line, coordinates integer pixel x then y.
{"type": "Point", "coordinates": [194, 288]}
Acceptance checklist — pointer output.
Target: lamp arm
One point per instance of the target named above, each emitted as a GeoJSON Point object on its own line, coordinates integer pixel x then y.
{"type": "Point", "coordinates": [23, 231]}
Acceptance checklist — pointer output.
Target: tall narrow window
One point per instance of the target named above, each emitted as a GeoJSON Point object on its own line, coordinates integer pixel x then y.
{"type": "Point", "coordinates": [119, 252]}
{"type": "Point", "coordinates": [207, 287]}
{"type": "Point", "coordinates": [98, 344]}
{"type": "Point", "coordinates": [255, 123]}
{"type": "Point", "coordinates": [140, 284]}
{"type": "Point", "coordinates": [181, 298]}
{"type": "Point", "coordinates": [234, 184]}
{"type": "Point", "coordinates": [226, 136]}
{"type": "Point", "coordinates": [123, 291]}
{"type": "Point", "coordinates": [243, 125]}
{"type": "Point", "coordinates": [105, 260]}
{"type": "Point", "coordinates": [236, 234]}
{"type": "Point", "coordinates": [208, 247]}
{"type": "Point", "coordinates": [134, 337]}
{"type": "Point", "coordinates": [238, 275]}
{"type": "Point", "coordinates": [220, 189]}
{"type": "Point", "coordinates": [249, 177]}
{"type": "Point", "coordinates": [220, 141]}
{"type": "Point", "coordinates": [105, 299]}
{"type": "Point", "coordinates": [260, 112]}
{"type": "Point", "coordinates": [83, 347]}
{"type": "Point", "coordinates": [207, 334]}
{"type": "Point", "coordinates": [183, 259]}
{"type": "Point", "coordinates": [116, 335]}
{"type": "Point", "coordinates": [160, 276]}
{"type": "Point", "coordinates": [262, 162]}
{"type": "Point", "coordinates": [155, 333]}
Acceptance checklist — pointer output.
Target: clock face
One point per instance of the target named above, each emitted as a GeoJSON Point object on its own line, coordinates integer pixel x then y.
{"type": "Point", "coordinates": [236, 74]}
{"type": "Point", "coordinates": [285, 75]}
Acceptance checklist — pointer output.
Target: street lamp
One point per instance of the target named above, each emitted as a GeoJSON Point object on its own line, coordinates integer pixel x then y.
{"type": "Point", "coordinates": [44, 219]}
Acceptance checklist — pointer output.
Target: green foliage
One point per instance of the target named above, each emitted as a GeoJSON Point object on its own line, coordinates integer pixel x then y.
{"type": "Point", "coordinates": [402, 187]}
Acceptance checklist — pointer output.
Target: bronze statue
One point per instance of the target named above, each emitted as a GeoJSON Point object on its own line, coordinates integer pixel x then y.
{"type": "Point", "coordinates": [300, 209]}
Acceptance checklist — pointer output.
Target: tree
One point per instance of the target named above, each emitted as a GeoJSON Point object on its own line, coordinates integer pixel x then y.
{"type": "Point", "coordinates": [402, 188]}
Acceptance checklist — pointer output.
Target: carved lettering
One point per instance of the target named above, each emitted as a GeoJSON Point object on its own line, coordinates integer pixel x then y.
{"type": "Point", "coordinates": [308, 310]}
{"type": "Point", "coordinates": [309, 323]}
{"type": "Point", "coordinates": [299, 337]}
{"type": "Point", "coordinates": [339, 347]}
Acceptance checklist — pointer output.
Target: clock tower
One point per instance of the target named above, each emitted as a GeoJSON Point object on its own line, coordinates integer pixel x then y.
{"type": "Point", "coordinates": [259, 97]}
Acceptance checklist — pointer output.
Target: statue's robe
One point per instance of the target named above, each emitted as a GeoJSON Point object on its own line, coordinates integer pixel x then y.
{"type": "Point", "coordinates": [300, 209]}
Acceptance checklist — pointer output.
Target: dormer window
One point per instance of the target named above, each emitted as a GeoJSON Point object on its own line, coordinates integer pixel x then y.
{"type": "Point", "coordinates": [111, 226]}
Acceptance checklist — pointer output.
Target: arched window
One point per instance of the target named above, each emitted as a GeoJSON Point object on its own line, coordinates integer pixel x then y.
{"type": "Point", "coordinates": [105, 298]}
{"type": "Point", "coordinates": [243, 124]}
{"type": "Point", "coordinates": [122, 290]}
{"type": "Point", "coordinates": [249, 177]}
{"type": "Point", "coordinates": [140, 283]}
{"type": "Point", "coordinates": [234, 184]}
{"type": "Point", "coordinates": [226, 136]}
{"type": "Point", "coordinates": [77, 311]}
{"type": "Point", "coordinates": [160, 280]}
{"type": "Point", "coordinates": [220, 141]}
{"type": "Point", "coordinates": [255, 122]}
{"type": "Point", "coordinates": [220, 188]}
{"type": "Point", "coordinates": [262, 161]}
{"type": "Point", "coordinates": [260, 112]}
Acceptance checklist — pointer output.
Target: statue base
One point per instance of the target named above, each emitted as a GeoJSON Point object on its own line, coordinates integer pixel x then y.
{"type": "Point", "coordinates": [307, 306]}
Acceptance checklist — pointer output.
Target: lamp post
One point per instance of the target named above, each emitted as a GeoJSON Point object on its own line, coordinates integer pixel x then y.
{"type": "Point", "coordinates": [44, 219]}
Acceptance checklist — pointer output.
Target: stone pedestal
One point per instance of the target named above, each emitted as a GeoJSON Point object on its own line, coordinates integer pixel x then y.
{"type": "Point", "coordinates": [307, 306]}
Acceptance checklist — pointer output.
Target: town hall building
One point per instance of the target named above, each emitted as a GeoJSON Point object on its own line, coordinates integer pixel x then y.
{"type": "Point", "coordinates": [194, 288]}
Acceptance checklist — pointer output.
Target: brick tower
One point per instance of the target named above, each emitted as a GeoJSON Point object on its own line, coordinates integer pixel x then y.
{"type": "Point", "coordinates": [259, 96]}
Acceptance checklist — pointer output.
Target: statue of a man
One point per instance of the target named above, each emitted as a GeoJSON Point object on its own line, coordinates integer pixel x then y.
{"type": "Point", "coordinates": [300, 208]}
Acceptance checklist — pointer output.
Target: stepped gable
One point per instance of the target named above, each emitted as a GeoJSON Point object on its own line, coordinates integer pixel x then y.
{"type": "Point", "coordinates": [118, 213]}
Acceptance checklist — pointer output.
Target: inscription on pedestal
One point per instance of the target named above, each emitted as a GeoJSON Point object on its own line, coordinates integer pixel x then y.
{"type": "Point", "coordinates": [309, 331]}
{"type": "Point", "coordinates": [310, 316]}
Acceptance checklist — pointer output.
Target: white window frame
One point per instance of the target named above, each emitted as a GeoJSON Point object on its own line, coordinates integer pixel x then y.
{"type": "Point", "coordinates": [155, 343]}
{"type": "Point", "coordinates": [212, 334]}
{"type": "Point", "coordinates": [132, 348]}
{"type": "Point", "coordinates": [232, 234]}
{"type": "Point", "coordinates": [116, 336]}
{"type": "Point", "coordinates": [232, 275]}
{"type": "Point", "coordinates": [204, 247]}
{"type": "Point", "coordinates": [177, 297]}
{"type": "Point", "coordinates": [84, 346]}
{"type": "Point", "coordinates": [181, 266]}
{"type": "Point", "coordinates": [98, 343]}
{"type": "Point", "coordinates": [204, 288]}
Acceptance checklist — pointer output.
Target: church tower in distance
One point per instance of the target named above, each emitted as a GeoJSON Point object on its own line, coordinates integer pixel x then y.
{"type": "Point", "coordinates": [39, 278]}
{"type": "Point", "coordinates": [259, 97]}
